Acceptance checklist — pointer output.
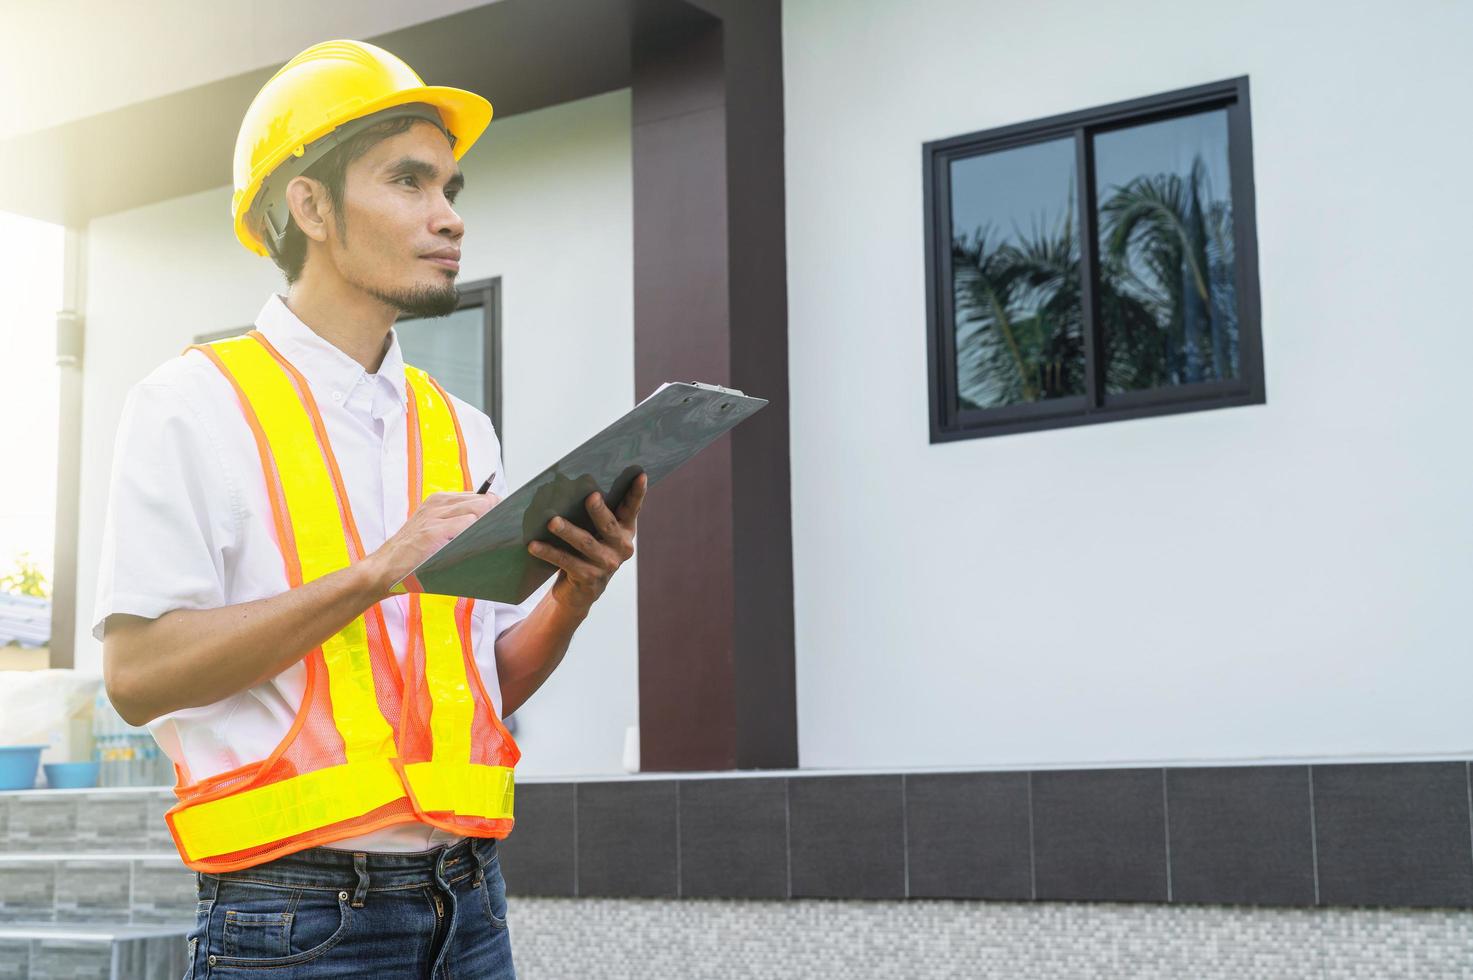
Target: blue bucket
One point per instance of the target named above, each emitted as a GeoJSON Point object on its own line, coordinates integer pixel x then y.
{"type": "Point", "coordinates": [71, 775]}
{"type": "Point", "coordinates": [18, 764]}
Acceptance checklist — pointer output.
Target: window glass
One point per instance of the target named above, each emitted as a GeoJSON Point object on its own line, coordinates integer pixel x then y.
{"type": "Point", "coordinates": [1167, 302]}
{"type": "Point", "coordinates": [1015, 276]}
{"type": "Point", "coordinates": [452, 349]}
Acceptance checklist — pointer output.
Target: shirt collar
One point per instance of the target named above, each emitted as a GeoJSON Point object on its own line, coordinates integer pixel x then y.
{"type": "Point", "coordinates": [318, 360]}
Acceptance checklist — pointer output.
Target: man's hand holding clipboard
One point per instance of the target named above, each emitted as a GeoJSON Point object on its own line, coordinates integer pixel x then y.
{"type": "Point", "coordinates": [587, 565]}
{"type": "Point", "coordinates": [561, 520]}
{"type": "Point", "coordinates": [595, 558]}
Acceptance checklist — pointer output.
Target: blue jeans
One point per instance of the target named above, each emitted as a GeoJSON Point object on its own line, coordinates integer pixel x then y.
{"type": "Point", "coordinates": [439, 914]}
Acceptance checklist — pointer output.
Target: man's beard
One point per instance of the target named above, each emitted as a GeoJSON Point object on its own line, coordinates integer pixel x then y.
{"type": "Point", "coordinates": [421, 301]}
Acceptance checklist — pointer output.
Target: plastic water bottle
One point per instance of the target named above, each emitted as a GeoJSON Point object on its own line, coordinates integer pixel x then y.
{"type": "Point", "coordinates": [127, 756]}
{"type": "Point", "coordinates": [102, 739]}
{"type": "Point", "coordinates": [127, 746]}
{"type": "Point", "coordinates": [146, 757]}
{"type": "Point", "coordinates": [114, 748]}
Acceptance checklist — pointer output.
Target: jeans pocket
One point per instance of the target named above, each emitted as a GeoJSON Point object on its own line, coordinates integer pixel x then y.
{"type": "Point", "coordinates": [256, 934]}
{"type": "Point", "coordinates": [263, 926]}
{"type": "Point", "coordinates": [493, 894]}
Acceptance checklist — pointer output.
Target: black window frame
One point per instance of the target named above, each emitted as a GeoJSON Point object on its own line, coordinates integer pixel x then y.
{"type": "Point", "coordinates": [948, 422]}
{"type": "Point", "coordinates": [485, 293]}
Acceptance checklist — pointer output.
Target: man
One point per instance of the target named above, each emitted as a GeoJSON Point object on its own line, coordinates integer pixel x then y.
{"type": "Point", "coordinates": [343, 771]}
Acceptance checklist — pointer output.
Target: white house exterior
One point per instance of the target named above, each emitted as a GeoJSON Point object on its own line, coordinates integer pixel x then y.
{"type": "Point", "coordinates": [1275, 589]}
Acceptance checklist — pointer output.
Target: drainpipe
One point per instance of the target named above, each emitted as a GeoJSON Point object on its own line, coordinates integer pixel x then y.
{"type": "Point", "coordinates": [70, 328]}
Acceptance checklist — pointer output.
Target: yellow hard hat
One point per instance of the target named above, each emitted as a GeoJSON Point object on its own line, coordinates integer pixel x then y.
{"type": "Point", "coordinates": [316, 100]}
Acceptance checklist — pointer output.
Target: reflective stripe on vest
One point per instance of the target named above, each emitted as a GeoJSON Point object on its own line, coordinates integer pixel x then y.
{"type": "Point", "coordinates": [279, 808]}
{"type": "Point", "coordinates": [438, 784]}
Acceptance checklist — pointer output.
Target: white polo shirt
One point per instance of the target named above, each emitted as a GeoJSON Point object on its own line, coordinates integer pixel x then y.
{"type": "Point", "coordinates": [188, 527]}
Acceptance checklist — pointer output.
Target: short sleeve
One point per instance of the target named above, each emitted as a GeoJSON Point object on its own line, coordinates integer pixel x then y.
{"type": "Point", "coordinates": [171, 513]}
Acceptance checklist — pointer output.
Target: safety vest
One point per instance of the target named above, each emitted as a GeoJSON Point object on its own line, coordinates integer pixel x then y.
{"type": "Point", "coordinates": [369, 746]}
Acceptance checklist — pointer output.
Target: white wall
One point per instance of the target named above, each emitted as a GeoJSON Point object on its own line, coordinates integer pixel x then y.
{"type": "Point", "coordinates": [547, 208]}
{"type": "Point", "coordinates": [1026, 599]}
{"type": "Point", "coordinates": [1278, 581]}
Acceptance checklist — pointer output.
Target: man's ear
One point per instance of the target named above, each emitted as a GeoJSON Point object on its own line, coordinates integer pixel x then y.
{"type": "Point", "coordinates": [310, 208]}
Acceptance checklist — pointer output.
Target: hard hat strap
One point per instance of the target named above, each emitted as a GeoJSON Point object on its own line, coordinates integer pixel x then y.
{"type": "Point", "coordinates": [270, 208]}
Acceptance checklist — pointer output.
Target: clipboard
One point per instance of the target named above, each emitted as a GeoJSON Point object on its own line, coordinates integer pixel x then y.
{"type": "Point", "coordinates": [489, 559]}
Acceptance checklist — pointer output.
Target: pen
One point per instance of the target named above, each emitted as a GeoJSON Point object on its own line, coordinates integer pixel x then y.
{"type": "Point", "coordinates": [487, 485]}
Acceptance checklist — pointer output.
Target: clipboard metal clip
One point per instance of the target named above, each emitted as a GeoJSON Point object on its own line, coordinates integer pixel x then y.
{"type": "Point", "coordinates": [724, 391]}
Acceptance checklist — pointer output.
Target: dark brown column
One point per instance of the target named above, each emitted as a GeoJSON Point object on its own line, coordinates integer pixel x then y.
{"type": "Point", "coordinates": [716, 679]}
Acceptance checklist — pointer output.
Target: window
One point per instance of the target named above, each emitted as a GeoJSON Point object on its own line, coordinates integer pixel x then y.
{"type": "Point", "coordinates": [462, 351]}
{"type": "Point", "coordinates": [1095, 266]}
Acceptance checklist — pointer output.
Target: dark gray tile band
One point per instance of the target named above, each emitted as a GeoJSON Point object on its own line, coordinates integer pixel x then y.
{"type": "Point", "coordinates": [1241, 835]}
{"type": "Point", "coordinates": [537, 858]}
{"type": "Point", "coordinates": [846, 837]}
{"type": "Point", "coordinates": [1099, 835]}
{"type": "Point", "coordinates": [967, 835]}
{"type": "Point", "coordinates": [1386, 834]}
{"type": "Point", "coordinates": [1394, 834]}
{"type": "Point", "coordinates": [733, 838]}
{"type": "Point", "coordinates": [626, 839]}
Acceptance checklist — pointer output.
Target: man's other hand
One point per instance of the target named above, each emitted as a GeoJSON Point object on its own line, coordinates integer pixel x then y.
{"type": "Point", "coordinates": [586, 569]}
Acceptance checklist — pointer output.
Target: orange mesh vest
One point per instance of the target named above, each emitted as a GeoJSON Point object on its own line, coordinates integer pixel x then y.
{"type": "Point", "coordinates": [369, 747]}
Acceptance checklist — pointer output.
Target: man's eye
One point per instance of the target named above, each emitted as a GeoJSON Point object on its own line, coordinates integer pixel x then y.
{"type": "Point", "coordinates": [451, 196]}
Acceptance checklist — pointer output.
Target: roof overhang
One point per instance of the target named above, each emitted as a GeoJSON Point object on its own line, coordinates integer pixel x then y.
{"type": "Point", "coordinates": [520, 54]}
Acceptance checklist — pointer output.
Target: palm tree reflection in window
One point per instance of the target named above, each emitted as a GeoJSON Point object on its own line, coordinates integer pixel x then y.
{"type": "Point", "coordinates": [1165, 291]}
{"type": "Point", "coordinates": [1019, 335]}
{"type": "Point", "coordinates": [1167, 264]}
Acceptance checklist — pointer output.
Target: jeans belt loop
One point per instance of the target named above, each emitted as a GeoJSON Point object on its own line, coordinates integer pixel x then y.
{"type": "Point", "coordinates": [360, 865]}
{"type": "Point", "coordinates": [481, 860]}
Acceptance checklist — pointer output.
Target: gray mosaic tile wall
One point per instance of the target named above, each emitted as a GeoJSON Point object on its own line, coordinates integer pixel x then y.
{"type": "Point", "coordinates": [124, 955]}
{"type": "Point", "coordinates": [102, 889]}
{"type": "Point", "coordinates": [685, 939]}
{"type": "Point", "coordinates": [75, 822]}
{"type": "Point", "coordinates": [90, 887]}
